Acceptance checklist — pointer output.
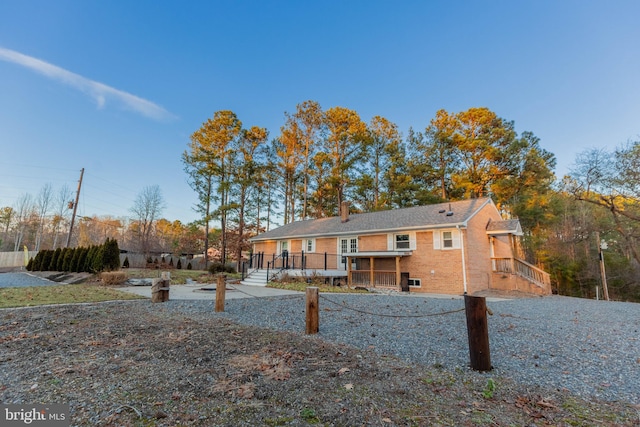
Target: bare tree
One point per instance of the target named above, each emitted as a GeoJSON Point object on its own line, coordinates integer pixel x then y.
{"type": "Point", "coordinates": [609, 180]}
{"type": "Point", "coordinates": [6, 219]}
{"type": "Point", "coordinates": [62, 203]}
{"type": "Point", "coordinates": [23, 208]}
{"type": "Point", "coordinates": [147, 207]}
{"type": "Point", "coordinates": [43, 200]}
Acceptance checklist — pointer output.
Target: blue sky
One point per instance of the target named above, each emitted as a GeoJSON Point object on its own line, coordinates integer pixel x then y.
{"type": "Point", "coordinates": [118, 87]}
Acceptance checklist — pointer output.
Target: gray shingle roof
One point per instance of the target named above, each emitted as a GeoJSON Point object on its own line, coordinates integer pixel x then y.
{"type": "Point", "coordinates": [509, 226]}
{"type": "Point", "coordinates": [430, 216]}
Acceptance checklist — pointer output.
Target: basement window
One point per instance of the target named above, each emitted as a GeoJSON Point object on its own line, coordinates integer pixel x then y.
{"type": "Point", "coordinates": [415, 283]}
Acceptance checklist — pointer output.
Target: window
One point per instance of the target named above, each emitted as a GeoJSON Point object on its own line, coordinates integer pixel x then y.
{"type": "Point", "coordinates": [415, 283]}
{"type": "Point", "coordinates": [447, 239]}
{"type": "Point", "coordinates": [402, 241]}
{"type": "Point", "coordinates": [353, 245]}
{"type": "Point", "coordinates": [310, 245]}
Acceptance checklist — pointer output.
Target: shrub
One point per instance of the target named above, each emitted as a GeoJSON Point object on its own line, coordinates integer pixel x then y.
{"type": "Point", "coordinates": [73, 265]}
{"type": "Point", "coordinates": [218, 267]}
{"type": "Point", "coordinates": [179, 264]}
{"type": "Point", "coordinates": [30, 265]}
{"type": "Point", "coordinates": [46, 260]}
{"type": "Point", "coordinates": [113, 278]}
{"type": "Point", "coordinates": [60, 259]}
{"type": "Point", "coordinates": [53, 265]}
{"type": "Point", "coordinates": [35, 266]}
{"type": "Point", "coordinates": [82, 260]}
{"type": "Point", "coordinates": [189, 267]}
{"type": "Point", "coordinates": [67, 255]}
{"type": "Point", "coordinates": [111, 255]}
{"type": "Point", "coordinates": [125, 264]}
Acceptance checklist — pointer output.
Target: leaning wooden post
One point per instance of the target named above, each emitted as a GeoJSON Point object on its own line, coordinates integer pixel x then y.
{"type": "Point", "coordinates": [166, 283]}
{"type": "Point", "coordinates": [160, 288]}
{"type": "Point", "coordinates": [313, 324]}
{"type": "Point", "coordinates": [221, 287]}
{"type": "Point", "coordinates": [478, 331]}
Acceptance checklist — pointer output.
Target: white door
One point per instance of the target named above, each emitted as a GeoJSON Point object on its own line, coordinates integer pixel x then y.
{"type": "Point", "coordinates": [346, 245]}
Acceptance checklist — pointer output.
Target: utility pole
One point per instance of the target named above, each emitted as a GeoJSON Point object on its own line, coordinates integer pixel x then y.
{"type": "Point", "coordinates": [603, 274]}
{"type": "Point", "coordinates": [75, 208]}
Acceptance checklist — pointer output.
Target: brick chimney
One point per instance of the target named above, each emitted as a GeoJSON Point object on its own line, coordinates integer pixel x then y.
{"type": "Point", "coordinates": [344, 211]}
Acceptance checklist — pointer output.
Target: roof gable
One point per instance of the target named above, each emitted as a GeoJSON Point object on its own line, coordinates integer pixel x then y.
{"type": "Point", "coordinates": [510, 226]}
{"type": "Point", "coordinates": [439, 215]}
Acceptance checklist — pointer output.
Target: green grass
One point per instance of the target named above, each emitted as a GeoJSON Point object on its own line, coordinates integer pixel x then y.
{"type": "Point", "coordinates": [60, 294]}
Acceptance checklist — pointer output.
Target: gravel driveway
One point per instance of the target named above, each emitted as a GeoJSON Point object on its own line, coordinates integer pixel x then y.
{"type": "Point", "coordinates": [591, 348]}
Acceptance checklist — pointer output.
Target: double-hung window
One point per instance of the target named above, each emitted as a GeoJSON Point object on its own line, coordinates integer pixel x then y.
{"type": "Point", "coordinates": [310, 245]}
{"type": "Point", "coordinates": [446, 239]}
{"type": "Point", "coordinates": [402, 241]}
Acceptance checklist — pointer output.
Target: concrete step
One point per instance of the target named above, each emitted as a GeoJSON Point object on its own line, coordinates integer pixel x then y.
{"type": "Point", "coordinates": [256, 278]}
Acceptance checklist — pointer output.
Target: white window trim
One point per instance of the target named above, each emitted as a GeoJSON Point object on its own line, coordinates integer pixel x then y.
{"type": "Point", "coordinates": [419, 285]}
{"type": "Point", "coordinates": [438, 239]}
{"type": "Point", "coordinates": [391, 241]}
{"type": "Point", "coordinates": [349, 239]}
{"type": "Point", "coordinates": [306, 245]}
{"type": "Point", "coordinates": [287, 242]}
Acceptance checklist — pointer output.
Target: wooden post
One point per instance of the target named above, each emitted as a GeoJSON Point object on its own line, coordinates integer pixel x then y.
{"type": "Point", "coordinates": [372, 279]}
{"type": "Point", "coordinates": [221, 287]}
{"type": "Point", "coordinates": [160, 289]}
{"type": "Point", "coordinates": [313, 324]}
{"type": "Point", "coordinates": [478, 331]}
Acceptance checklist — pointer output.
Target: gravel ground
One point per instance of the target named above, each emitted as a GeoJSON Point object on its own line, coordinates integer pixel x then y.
{"type": "Point", "coordinates": [180, 363]}
{"type": "Point", "coordinates": [590, 348]}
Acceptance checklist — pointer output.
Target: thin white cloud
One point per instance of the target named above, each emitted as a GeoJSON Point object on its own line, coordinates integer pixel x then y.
{"type": "Point", "coordinates": [100, 92]}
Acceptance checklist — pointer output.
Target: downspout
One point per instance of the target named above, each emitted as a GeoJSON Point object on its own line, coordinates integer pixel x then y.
{"type": "Point", "coordinates": [464, 265]}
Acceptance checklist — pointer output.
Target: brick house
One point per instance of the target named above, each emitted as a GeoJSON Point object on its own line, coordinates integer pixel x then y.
{"type": "Point", "coordinates": [451, 248]}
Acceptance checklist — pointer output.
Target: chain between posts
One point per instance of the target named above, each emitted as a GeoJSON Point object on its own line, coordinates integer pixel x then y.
{"type": "Point", "coordinates": [391, 315]}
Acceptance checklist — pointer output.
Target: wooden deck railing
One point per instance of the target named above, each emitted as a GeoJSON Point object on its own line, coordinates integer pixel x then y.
{"type": "Point", "coordinates": [381, 279]}
{"type": "Point", "coordinates": [523, 269]}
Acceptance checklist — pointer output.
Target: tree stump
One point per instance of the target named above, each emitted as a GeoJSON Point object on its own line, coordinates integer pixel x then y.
{"type": "Point", "coordinates": [160, 290]}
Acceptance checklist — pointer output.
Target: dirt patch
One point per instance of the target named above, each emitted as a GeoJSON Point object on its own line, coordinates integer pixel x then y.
{"type": "Point", "coordinates": [137, 363]}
